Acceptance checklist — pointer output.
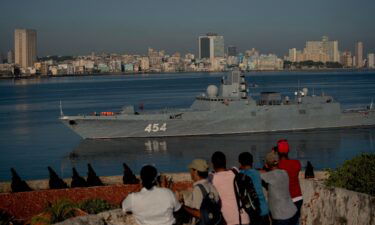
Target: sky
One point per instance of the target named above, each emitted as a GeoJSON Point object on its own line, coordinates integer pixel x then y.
{"type": "Point", "coordinates": [77, 27]}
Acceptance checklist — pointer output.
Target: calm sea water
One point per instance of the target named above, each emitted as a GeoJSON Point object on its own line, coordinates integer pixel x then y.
{"type": "Point", "coordinates": [32, 138]}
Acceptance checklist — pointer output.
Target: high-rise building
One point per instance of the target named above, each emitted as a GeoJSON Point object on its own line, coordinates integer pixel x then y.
{"type": "Point", "coordinates": [211, 46]}
{"type": "Point", "coordinates": [323, 50]}
{"type": "Point", "coordinates": [371, 60]}
{"type": "Point", "coordinates": [359, 54]}
{"type": "Point", "coordinates": [25, 47]}
{"type": "Point", "coordinates": [10, 57]}
{"type": "Point", "coordinates": [232, 50]}
{"type": "Point", "coordinates": [346, 59]}
{"type": "Point", "coordinates": [292, 55]}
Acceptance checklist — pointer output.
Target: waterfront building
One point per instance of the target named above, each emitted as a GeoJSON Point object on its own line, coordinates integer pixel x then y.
{"type": "Point", "coordinates": [25, 47]}
{"type": "Point", "coordinates": [103, 67]}
{"type": "Point", "coordinates": [317, 51]}
{"type": "Point", "coordinates": [66, 68]}
{"type": "Point", "coordinates": [331, 49]}
{"type": "Point", "coordinates": [175, 58]}
{"type": "Point", "coordinates": [252, 52]}
{"type": "Point", "coordinates": [145, 64]}
{"type": "Point", "coordinates": [211, 46]}
{"type": "Point", "coordinates": [129, 67]}
{"type": "Point", "coordinates": [217, 64]}
{"type": "Point", "coordinates": [359, 54]}
{"type": "Point", "coordinates": [371, 61]}
{"type": "Point", "coordinates": [232, 50]}
{"type": "Point", "coordinates": [44, 68]}
{"type": "Point", "coordinates": [55, 71]}
{"type": "Point", "coordinates": [314, 51]}
{"type": "Point", "coordinates": [346, 59]}
{"type": "Point", "coordinates": [269, 62]}
{"type": "Point", "coordinates": [292, 55]}
{"type": "Point", "coordinates": [6, 69]}
{"type": "Point", "coordinates": [190, 56]}
{"type": "Point", "coordinates": [10, 57]}
{"type": "Point", "coordinates": [232, 60]}
{"type": "Point", "coordinates": [115, 66]}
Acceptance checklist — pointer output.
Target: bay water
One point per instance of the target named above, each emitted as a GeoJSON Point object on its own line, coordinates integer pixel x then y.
{"type": "Point", "coordinates": [32, 137]}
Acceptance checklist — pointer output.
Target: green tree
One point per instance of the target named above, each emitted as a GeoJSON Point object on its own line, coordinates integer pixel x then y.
{"type": "Point", "coordinates": [357, 174]}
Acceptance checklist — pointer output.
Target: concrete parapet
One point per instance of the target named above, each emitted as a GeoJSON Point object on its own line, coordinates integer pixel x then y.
{"type": "Point", "coordinates": [322, 205]}
{"type": "Point", "coordinates": [335, 206]}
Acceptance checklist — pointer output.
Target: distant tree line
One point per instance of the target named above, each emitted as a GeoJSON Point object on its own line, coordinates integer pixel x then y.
{"type": "Point", "coordinates": [311, 64]}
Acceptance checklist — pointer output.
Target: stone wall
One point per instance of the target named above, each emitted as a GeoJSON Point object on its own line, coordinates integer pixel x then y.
{"type": "Point", "coordinates": [24, 205]}
{"type": "Point", "coordinates": [335, 206]}
{"type": "Point", "coordinates": [322, 205]}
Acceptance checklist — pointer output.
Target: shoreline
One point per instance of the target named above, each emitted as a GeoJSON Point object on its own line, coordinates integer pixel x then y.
{"type": "Point", "coordinates": [185, 72]}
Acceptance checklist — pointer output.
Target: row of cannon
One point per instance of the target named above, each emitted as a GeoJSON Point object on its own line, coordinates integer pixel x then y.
{"type": "Point", "coordinates": [55, 182]}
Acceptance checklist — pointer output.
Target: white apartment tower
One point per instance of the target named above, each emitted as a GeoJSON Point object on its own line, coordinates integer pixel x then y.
{"type": "Point", "coordinates": [25, 47]}
{"type": "Point", "coordinates": [292, 55]}
{"type": "Point", "coordinates": [324, 50]}
{"type": "Point", "coordinates": [371, 60]}
{"type": "Point", "coordinates": [359, 54]}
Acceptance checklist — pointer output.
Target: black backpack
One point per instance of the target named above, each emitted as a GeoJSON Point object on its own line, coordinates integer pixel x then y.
{"type": "Point", "coordinates": [210, 209]}
{"type": "Point", "coordinates": [247, 198]}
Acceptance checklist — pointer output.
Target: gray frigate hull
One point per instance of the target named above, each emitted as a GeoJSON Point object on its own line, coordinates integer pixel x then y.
{"type": "Point", "coordinates": [225, 110]}
{"type": "Point", "coordinates": [205, 124]}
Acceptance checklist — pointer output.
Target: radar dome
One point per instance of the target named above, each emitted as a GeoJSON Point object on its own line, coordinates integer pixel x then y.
{"type": "Point", "coordinates": [212, 91]}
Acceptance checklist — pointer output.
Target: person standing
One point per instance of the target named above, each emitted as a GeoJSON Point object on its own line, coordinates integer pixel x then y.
{"type": "Point", "coordinates": [223, 180]}
{"type": "Point", "coordinates": [246, 167]}
{"type": "Point", "coordinates": [192, 203]}
{"type": "Point", "coordinates": [293, 168]}
{"type": "Point", "coordinates": [152, 205]}
{"type": "Point", "coordinates": [283, 210]}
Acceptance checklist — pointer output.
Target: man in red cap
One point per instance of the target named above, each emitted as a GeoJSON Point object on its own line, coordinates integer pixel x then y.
{"type": "Point", "coordinates": [292, 167]}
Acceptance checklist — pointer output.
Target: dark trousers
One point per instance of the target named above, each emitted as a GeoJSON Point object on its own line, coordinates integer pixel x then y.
{"type": "Point", "coordinates": [298, 204]}
{"type": "Point", "coordinates": [264, 220]}
{"type": "Point", "coordinates": [291, 221]}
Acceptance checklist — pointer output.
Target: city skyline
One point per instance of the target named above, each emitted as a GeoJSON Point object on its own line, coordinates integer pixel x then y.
{"type": "Point", "coordinates": [65, 28]}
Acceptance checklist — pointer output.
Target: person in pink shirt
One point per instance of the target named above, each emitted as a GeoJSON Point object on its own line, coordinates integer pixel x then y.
{"type": "Point", "coordinates": [223, 181]}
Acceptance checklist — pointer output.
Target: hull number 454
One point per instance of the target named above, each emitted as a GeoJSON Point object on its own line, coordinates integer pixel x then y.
{"type": "Point", "coordinates": [155, 127]}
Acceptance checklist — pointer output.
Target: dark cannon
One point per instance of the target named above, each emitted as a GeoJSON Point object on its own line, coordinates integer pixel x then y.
{"type": "Point", "coordinates": [92, 178]}
{"type": "Point", "coordinates": [129, 177]}
{"type": "Point", "coordinates": [18, 185]}
{"type": "Point", "coordinates": [77, 180]}
{"type": "Point", "coordinates": [55, 182]}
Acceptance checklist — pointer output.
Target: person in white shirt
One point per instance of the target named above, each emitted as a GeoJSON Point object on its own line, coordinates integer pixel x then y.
{"type": "Point", "coordinates": [152, 205]}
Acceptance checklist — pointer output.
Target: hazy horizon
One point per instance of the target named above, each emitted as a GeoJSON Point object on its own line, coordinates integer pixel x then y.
{"type": "Point", "coordinates": [130, 27]}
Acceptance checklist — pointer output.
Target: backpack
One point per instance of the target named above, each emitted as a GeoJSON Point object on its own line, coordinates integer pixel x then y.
{"type": "Point", "coordinates": [210, 209]}
{"type": "Point", "coordinates": [247, 198]}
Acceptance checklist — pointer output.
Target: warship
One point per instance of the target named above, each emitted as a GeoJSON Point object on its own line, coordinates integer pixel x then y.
{"type": "Point", "coordinates": [228, 109]}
